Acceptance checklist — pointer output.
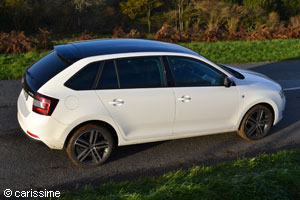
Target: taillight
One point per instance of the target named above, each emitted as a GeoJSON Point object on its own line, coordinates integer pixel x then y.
{"type": "Point", "coordinates": [43, 104]}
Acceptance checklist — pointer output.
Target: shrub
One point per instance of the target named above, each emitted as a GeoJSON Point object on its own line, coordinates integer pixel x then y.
{"type": "Point", "coordinates": [295, 21]}
{"type": "Point", "coordinates": [240, 34]}
{"type": "Point", "coordinates": [263, 33]}
{"type": "Point", "coordinates": [194, 33]}
{"type": "Point", "coordinates": [43, 40]}
{"type": "Point", "coordinates": [15, 42]}
{"type": "Point", "coordinates": [167, 33]}
{"type": "Point", "coordinates": [273, 20]}
{"type": "Point", "coordinates": [85, 35]}
{"type": "Point", "coordinates": [118, 33]}
{"type": "Point", "coordinates": [134, 33]}
{"type": "Point", "coordinates": [286, 33]}
{"type": "Point", "coordinates": [268, 5]}
{"type": "Point", "coordinates": [212, 35]}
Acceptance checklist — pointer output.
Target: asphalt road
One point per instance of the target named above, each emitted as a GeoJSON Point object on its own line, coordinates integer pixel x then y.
{"type": "Point", "coordinates": [25, 164]}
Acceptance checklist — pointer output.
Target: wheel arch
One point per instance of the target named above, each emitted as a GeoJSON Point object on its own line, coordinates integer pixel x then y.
{"type": "Point", "coordinates": [104, 124]}
{"type": "Point", "coordinates": [267, 104]}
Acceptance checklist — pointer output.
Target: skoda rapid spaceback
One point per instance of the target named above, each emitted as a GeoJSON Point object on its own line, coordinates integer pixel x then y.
{"type": "Point", "coordinates": [89, 97]}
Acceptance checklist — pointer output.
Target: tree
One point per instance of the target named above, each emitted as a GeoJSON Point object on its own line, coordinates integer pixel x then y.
{"type": "Point", "coordinates": [140, 8]}
{"type": "Point", "coordinates": [80, 5]}
{"type": "Point", "coordinates": [16, 10]}
{"type": "Point", "coordinates": [180, 7]}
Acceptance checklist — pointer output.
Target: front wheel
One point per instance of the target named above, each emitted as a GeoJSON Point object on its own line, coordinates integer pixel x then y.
{"type": "Point", "coordinates": [256, 123]}
{"type": "Point", "coordinates": [90, 146]}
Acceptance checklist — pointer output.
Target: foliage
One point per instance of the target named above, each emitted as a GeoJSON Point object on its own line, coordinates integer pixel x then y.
{"type": "Point", "coordinates": [233, 15]}
{"type": "Point", "coordinates": [43, 39]}
{"type": "Point", "coordinates": [295, 21]}
{"type": "Point", "coordinates": [134, 33]}
{"type": "Point", "coordinates": [248, 51]}
{"type": "Point", "coordinates": [218, 19]}
{"type": "Point", "coordinates": [268, 5]}
{"type": "Point", "coordinates": [142, 8]}
{"type": "Point", "coordinates": [119, 33]}
{"type": "Point", "coordinates": [12, 66]}
{"type": "Point", "coordinates": [289, 8]}
{"type": "Point", "coordinates": [262, 33]}
{"type": "Point", "coordinates": [273, 20]}
{"type": "Point", "coordinates": [167, 33]}
{"type": "Point", "coordinates": [15, 42]}
{"type": "Point", "coordinates": [85, 35]}
{"type": "Point", "coordinates": [275, 176]}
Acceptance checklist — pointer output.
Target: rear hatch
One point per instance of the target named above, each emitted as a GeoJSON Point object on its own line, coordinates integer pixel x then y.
{"type": "Point", "coordinates": [42, 71]}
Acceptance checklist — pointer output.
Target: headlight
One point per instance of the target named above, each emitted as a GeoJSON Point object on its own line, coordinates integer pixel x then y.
{"type": "Point", "coordinates": [281, 93]}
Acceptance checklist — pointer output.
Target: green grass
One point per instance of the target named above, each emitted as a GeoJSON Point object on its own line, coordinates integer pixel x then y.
{"type": "Point", "coordinates": [12, 66]}
{"type": "Point", "coordinates": [275, 176]}
{"type": "Point", "coordinates": [248, 51]}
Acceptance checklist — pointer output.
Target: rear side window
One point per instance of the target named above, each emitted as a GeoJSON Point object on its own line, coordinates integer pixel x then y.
{"type": "Point", "coordinates": [108, 79]}
{"type": "Point", "coordinates": [43, 70]}
{"type": "Point", "coordinates": [140, 72]}
{"type": "Point", "coordinates": [84, 79]}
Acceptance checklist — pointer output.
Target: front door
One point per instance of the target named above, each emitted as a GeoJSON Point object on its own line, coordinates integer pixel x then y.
{"type": "Point", "coordinates": [203, 103]}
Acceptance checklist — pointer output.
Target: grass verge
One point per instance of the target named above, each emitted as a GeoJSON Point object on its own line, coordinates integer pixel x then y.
{"type": "Point", "coordinates": [248, 51]}
{"type": "Point", "coordinates": [13, 66]}
{"type": "Point", "coordinates": [275, 176]}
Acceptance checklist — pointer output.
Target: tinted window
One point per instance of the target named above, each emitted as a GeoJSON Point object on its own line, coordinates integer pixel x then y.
{"type": "Point", "coordinates": [169, 75]}
{"type": "Point", "coordinates": [43, 70]}
{"type": "Point", "coordinates": [190, 72]}
{"type": "Point", "coordinates": [108, 78]}
{"type": "Point", "coordinates": [84, 79]}
{"type": "Point", "coordinates": [140, 72]}
{"type": "Point", "coordinates": [232, 72]}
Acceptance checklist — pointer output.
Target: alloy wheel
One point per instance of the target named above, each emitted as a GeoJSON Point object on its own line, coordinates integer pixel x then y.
{"type": "Point", "coordinates": [258, 124]}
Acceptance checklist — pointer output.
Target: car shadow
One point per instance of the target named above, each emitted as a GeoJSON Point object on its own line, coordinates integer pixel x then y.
{"type": "Point", "coordinates": [122, 152]}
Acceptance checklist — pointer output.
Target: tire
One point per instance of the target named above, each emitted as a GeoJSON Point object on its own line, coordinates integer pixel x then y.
{"type": "Point", "coordinates": [257, 123]}
{"type": "Point", "coordinates": [90, 146]}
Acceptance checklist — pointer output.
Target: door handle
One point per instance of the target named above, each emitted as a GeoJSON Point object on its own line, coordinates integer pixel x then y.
{"type": "Point", "coordinates": [116, 102]}
{"type": "Point", "coordinates": [185, 98]}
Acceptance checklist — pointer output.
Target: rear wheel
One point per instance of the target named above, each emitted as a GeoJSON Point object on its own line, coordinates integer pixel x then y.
{"type": "Point", "coordinates": [90, 146]}
{"type": "Point", "coordinates": [256, 123]}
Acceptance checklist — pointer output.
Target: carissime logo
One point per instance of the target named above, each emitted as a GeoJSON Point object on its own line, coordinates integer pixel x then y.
{"type": "Point", "coordinates": [31, 193]}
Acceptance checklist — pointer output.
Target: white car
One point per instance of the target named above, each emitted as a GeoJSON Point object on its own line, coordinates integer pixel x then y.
{"type": "Point", "coordinates": [89, 97]}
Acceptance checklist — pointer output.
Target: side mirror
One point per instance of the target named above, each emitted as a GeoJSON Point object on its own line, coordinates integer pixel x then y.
{"type": "Point", "coordinates": [228, 82]}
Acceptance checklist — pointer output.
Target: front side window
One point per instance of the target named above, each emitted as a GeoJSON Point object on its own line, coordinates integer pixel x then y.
{"type": "Point", "coordinates": [140, 72]}
{"type": "Point", "coordinates": [190, 72]}
{"type": "Point", "coordinates": [84, 79]}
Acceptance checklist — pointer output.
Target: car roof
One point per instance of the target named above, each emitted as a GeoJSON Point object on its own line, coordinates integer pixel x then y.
{"type": "Point", "coordinates": [79, 50]}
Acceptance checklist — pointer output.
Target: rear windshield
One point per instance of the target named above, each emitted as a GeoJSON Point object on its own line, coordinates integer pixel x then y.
{"type": "Point", "coordinates": [43, 70]}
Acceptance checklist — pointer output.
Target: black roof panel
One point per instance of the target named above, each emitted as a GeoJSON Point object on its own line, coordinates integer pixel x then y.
{"type": "Point", "coordinates": [78, 50]}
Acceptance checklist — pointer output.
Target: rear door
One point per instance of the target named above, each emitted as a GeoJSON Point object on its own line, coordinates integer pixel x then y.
{"type": "Point", "coordinates": [133, 91]}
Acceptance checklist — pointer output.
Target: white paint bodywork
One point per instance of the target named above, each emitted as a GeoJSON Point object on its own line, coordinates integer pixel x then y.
{"type": "Point", "coordinates": [150, 114]}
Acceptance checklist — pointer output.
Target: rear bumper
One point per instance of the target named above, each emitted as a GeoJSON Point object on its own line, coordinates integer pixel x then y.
{"type": "Point", "coordinates": [41, 128]}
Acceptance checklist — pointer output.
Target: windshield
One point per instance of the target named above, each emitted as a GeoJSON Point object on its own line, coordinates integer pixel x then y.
{"type": "Point", "coordinates": [232, 71]}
